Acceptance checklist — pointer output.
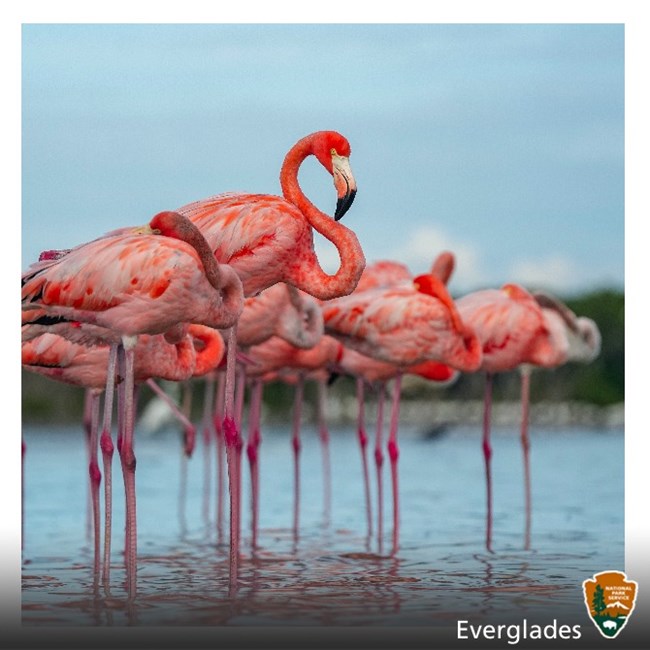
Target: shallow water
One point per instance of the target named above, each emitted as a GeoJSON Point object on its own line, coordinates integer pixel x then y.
{"type": "Point", "coordinates": [332, 575]}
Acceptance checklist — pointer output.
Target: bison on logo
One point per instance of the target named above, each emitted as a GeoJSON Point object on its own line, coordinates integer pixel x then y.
{"type": "Point", "coordinates": [610, 598]}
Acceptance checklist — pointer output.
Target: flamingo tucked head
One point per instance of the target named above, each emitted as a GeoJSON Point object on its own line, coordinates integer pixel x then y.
{"type": "Point", "coordinates": [169, 224]}
{"type": "Point", "coordinates": [173, 224]}
{"type": "Point", "coordinates": [333, 151]}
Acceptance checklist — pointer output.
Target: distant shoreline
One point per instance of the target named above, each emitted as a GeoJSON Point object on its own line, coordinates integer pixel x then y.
{"type": "Point", "coordinates": [423, 412]}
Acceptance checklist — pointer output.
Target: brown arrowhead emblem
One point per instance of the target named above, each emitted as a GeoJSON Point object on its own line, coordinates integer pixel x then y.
{"type": "Point", "coordinates": [610, 598]}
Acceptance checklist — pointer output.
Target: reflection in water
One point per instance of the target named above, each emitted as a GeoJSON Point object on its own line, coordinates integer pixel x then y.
{"type": "Point", "coordinates": [330, 575]}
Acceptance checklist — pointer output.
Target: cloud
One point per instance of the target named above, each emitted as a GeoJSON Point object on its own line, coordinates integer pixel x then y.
{"type": "Point", "coordinates": [426, 242]}
{"type": "Point", "coordinates": [554, 272]}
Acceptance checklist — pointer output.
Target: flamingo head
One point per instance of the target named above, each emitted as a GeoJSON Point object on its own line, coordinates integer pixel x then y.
{"type": "Point", "coordinates": [167, 223]}
{"type": "Point", "coordinates": [589, 341]}
{"type": "Point", "coordinates": [333, 152]}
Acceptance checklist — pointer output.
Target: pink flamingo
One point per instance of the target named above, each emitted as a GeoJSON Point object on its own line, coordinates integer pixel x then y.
{"type": "Point", "coordinates": [512, 331]}
{"type": "Point", "coordinates": [404, 325]}
{"type": "Point", "coordinates": [269, 239]}
{"type": "Point", "coordinates": [132, 284]}
{"type": "Point", "coordinates": [58, 358]}
{"type": "Point", "coordinates": [383, 274]}
{"type": "Point", "coordinates": [576, 337]}
{"type": "Point", "coordinates": [379, 274]}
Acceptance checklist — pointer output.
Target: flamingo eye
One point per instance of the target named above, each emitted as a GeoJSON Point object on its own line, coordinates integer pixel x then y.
{"type": "Point", "coordinates": [333, 151]}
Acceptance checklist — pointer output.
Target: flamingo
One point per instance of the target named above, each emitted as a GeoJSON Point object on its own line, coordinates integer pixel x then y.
{"type": "Point", "coordinates": [131, 284]}
{"type": "Point", "coordinates": [58, 358]}
{"type": "Point", "coordinates": [579, 338]}
{"type": "Point", "coordinates": [513, 331]}
{"type": "Point", "coordinates": [404, 325]}
{"type": "Point", "coordinates": [269, 239]}
{"type": "Point", "coordinates": [385, 274]}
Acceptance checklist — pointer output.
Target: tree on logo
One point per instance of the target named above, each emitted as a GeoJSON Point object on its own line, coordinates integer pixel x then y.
{"type": "Point", "coordinates": [598, 602]}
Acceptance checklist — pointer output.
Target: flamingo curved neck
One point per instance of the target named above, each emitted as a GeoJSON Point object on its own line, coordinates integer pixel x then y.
{"type": "Point", "coordinates": [179, 365]}
{"type": "Point", "coordinates": [213, 349]}
{"type": "Point", "coordinates": [318, 283]}
{"type": "Point", "coordinates": [209, 261]}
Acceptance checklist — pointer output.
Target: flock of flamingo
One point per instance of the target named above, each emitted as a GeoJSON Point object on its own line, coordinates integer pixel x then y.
{"type": "Point", "coordinates": [229, 288]}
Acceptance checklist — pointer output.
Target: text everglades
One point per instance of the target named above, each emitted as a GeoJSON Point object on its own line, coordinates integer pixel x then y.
{"type": "Point", "coordinates": [516, 632]}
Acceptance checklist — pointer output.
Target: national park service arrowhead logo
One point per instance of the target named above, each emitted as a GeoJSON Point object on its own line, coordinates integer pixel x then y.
{"type": "Point", "coordinates": [610, 598]}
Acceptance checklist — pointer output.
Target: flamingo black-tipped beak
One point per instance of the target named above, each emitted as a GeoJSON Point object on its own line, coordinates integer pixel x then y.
{"type": "Point", "coordinates": [346, 186]}
{"type": "Point", "coordinates": [343, 204]}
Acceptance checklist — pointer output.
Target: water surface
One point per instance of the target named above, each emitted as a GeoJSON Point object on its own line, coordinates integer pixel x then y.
{"type": "Point", "coordinates": [332, 575]}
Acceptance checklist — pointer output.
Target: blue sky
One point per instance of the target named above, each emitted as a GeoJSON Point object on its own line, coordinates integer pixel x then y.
{"type": "Point", "coordinates": [502, 142]}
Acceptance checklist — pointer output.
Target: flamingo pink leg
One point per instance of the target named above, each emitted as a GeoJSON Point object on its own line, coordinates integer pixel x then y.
{"type": "Point", "coordinates": [183, 415]}
{"type": "Point", "coordinates": [379, 462]}
{"type": "Point", "coordinates": [180, 415]}
{"type": "Point", "coordinates": [525, 445]}
{"type": "Point", "coordinates": [106, 444]}
{"type": "Point", "coordinates": [254, 440]}
{"type": "Point", "coordinates": [233, 442]}
{"type": "Point", "coordinates": [240, 390]}
{"type": "Point", "coordinates": [363, 441]}
{"type": "Point", "coordinates": [220, 449]}
{"type": "Point", "coordinates": [325, 449]}
{"type": "Point", "coordinates": [295, 442]}
{"type": "Point", "coordinates": [207, 427]}
{"type": "Point", "coordinates": [87, 424]}
{"type": "Point", "coordinates": [95, 480]}
{"type": "Point", "coordinates": [189, 442]}
{"type": "Point", "coordinates": [487, 454]}
{"type": "Point", "coordinates": [393, 455]}
{"type": "Point", "coordinates": [127, 457]}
